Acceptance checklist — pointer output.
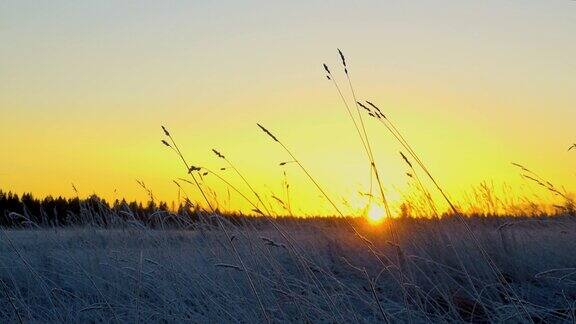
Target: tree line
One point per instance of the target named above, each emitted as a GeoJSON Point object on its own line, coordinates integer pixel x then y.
{"type": "Point", "coordinates": [27, 210]}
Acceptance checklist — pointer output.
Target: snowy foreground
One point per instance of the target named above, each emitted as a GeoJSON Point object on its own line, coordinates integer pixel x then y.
{"type": "Point", "coordinates": [302, 271]}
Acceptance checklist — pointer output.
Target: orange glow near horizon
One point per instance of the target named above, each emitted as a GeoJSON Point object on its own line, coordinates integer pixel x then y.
{"type": "Point", "coordinates": [375, 214]}
{"type": "Point", "coordinates": [83, 94]}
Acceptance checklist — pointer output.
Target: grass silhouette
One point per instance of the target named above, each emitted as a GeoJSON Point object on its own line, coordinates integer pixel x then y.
{"type": "Point", "coordinates": [203, 264]}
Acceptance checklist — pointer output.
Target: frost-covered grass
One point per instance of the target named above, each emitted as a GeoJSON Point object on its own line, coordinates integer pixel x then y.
{"type": "Point", "coordinates": [318, 271]}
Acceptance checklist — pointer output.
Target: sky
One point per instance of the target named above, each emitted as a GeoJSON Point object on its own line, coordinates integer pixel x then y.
{"type": "Point", "coordinates": [474, 86]}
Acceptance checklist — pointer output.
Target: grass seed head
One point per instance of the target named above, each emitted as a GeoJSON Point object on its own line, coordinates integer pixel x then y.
{"type": "Point", "coordinates": [520, 166]}
{"type": "Point", "coordinates": [363, 106]}
{"type": "Point", "coordinates": [343, 61]}
{"type": "Point", "coordinates": [165, 131]}
{"type": "Point", "coordinates": [327, 69]}
{"type": "Point", "coordinates": [342, 57]}
{"type": "Point", "coordinates": [406, 159]}
{"type": "Point", "coordinates": [377, 109]}
{"type": "Point", "coordinates": [267, 132]}
{"type": "Point", "coordinates": [278, 200]}
{"type": "Point", "coordinates": [218, 154]}
{"type": "Point", "coordinates": [166, 143]}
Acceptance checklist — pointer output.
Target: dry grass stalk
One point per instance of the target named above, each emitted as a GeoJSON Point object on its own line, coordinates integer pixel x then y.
{"type": "Point", "coordinates": [361, 130]}
{"type": "Point", "coordinates": [508, 291]}
{"type": "Point", "coordinates": [190, 171]}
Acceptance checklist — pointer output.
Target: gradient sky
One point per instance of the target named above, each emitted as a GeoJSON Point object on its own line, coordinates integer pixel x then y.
{"type": "Point", "coordinates": [475, 85]}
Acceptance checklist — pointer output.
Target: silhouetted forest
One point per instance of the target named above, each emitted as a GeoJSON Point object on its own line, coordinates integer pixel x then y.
{"type": "Point", "coordinates": [27, 210]}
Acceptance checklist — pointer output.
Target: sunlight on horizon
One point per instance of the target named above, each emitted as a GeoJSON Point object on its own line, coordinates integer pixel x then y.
{"type": "Point", "coordinates": [375, 214]}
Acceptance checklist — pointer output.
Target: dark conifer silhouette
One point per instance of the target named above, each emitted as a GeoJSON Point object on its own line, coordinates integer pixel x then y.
{"type": "Point", "coordinates": [27, 210]}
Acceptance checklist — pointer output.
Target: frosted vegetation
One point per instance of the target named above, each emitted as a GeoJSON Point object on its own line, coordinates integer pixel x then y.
{"type": "Point", "coordinates": [316, 270]}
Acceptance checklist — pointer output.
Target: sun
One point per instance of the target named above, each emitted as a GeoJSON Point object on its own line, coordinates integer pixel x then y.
{"type": "Point", "coordinates": [375, 214]}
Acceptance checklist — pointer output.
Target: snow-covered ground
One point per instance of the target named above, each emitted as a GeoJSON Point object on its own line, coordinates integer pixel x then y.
{"type": "Point", "coordinates": [504, 269]}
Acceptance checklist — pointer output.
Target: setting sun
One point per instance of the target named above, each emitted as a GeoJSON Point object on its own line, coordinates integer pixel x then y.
{"type": "Point", "coordinates": [375, 214]}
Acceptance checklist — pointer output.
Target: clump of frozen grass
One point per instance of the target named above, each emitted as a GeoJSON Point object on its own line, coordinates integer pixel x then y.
{"type": "Point", "coordinates": [139, 274]}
